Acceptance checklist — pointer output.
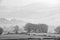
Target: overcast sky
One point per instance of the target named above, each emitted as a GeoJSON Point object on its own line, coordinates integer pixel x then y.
{"type": "Point", "coordinates": [35, 11]}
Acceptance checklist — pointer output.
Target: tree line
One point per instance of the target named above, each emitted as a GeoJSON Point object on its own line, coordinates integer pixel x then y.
{"type": "Point", "coordinates": [36, 28]}
{"type": "Point", "coordinates": [33, 28]}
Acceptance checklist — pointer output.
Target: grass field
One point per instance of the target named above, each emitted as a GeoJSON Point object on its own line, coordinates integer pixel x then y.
{"type": "Point", "coordinates": [14, 36]}
{"type": "Point", "coordinates": [18, 36]}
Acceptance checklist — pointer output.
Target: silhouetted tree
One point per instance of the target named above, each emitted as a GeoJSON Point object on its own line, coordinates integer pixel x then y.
{"type": "Point", "coordinates": [57, 30]}
{"type": "Point", "coordinates": [1, 30]}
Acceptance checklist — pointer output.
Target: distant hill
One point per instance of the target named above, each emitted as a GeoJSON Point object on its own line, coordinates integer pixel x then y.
{"type": "Point", "coordinates": [4, 21]}
{"type": "Point", "coordinates": [17, 21]}
{"type": "Point", "coordinates": [8, 25]}
{"type": "Point", "coordinates": [12, 21]}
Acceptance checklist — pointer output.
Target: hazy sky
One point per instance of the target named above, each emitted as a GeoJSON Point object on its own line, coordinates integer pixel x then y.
{"type": "Point", "coordinates": [36, 11]}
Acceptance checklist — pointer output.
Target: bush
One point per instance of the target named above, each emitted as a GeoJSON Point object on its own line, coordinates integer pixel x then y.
{"type": "Point", "coordinates": [1, 30]}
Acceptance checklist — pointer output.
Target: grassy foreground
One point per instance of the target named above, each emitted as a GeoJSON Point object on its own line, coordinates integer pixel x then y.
{"type": "Point", "coordinates": [18, 36]}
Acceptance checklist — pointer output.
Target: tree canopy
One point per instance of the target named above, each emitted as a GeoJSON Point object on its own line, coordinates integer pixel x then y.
{"type": "Point", "coordinates": [36, 28]}
{"type": "Point", "coordinates": [57, 30]}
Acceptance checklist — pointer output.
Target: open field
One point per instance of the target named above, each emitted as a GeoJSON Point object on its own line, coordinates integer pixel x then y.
{"type": "Point", "coordinates": [21, 36]}
{"type": "Point", "coordinates": [14, 36]}
{"type": "Point", "coordinates": [47, 34]}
